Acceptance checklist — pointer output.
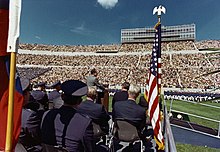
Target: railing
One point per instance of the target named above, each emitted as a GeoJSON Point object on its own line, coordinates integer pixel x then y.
{"type": "Point", "coordinates": [197, 116]}
{"type": "Point", "coordinates": [168, 135]}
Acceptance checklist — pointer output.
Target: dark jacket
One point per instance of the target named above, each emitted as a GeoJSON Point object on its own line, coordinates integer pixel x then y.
{"type": "Point", "coordinates": [66, 128]}
{"type": "Point", "coordinates": [119, 96]}
{"type": "Point", "coordinates": [96, 112]}
{"type": "Point", "coordinates": [143, 103]}
{"type": "Point", "coordinates": [131, 112]}
{"type": "Point", "coordinates": [30, 135]}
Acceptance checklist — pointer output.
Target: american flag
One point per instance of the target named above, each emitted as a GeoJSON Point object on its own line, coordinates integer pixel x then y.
{"type": "Point", "coordinates": [154, 84]}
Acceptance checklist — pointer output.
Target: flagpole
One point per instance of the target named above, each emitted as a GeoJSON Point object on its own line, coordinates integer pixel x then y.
{"type": "Point", "coordinates": [159, 10]}
{"type": "Point", "coordinates": [12, 47]}
{"type": "Point", "coordinates": [9, 132]}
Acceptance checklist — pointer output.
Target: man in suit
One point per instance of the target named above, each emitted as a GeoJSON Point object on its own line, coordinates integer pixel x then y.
{"type": "Point", "coordinates": [95, 111]}
{"type": "Point", "coordinates": [92, 80]}
{"type": "Point", "coordinates": [143, 103]}
{"type": "Point", "coordinates": [122, 95]}
{"type": "Point", "coordinates": [129, 110]}
{"type": "Point", "coordinates": [64, 127]}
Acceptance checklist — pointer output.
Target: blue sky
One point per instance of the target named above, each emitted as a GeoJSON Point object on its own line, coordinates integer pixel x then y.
{"type": "Point", "coordinates": [75, 22]}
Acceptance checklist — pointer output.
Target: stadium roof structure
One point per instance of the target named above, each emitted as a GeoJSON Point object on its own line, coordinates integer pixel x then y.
{"type": "Point", "coordinates": [169, 33]}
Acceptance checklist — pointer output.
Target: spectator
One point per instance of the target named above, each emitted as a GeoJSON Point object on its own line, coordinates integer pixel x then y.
{"type": "Point", "coordinates": [41, 98]}
{"type": "Point", "coordinates": [142, 102]}
{"type": "Point", "coordinates": [95, 111]}
{"type": "Point", "coordinates": [64, 127]}
{"type": "Point", "coordinates": [41, 86]}
{"type": "Point", "coordinates": [55, 95]}
{"type": "Point", "coordinates": [122, 95]}
{"type": "Point", "coordinates": [129, 110]}
{"type": "Point", "coordinates": [30, 136]}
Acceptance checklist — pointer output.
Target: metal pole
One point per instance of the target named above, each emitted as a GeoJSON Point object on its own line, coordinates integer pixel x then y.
{"type": "Point", "coordinates": [9, 132]}
{"type": "Point", "coordinates": [158, 10]}
{"type": "Point", "coordinates": [171, 103]}
{"type": "Point", "coordinates": [218, 129]}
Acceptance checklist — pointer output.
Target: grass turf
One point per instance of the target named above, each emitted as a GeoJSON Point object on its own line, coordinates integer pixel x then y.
{"type": "Point", "coordinates": [192, 148]}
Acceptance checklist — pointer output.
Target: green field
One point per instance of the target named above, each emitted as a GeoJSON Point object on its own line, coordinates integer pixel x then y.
{"type": "Point", "coordinates": [193, 108]}
{"type": "Point", "coordinates": [198, 109]}
{"type": "Point", "coordinates": [192, 148]}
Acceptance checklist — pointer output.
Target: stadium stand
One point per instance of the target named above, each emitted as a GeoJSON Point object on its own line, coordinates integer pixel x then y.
{"type": "Point", "coordinates": [183, 66]}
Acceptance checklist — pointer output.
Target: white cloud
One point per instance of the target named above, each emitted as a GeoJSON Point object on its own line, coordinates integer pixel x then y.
{"type": "Point", "coordinates": [81, 30]}
{"type": "Point", "coordinates": [107, 4]}
{"type": "Point", "coordinates": [37, 37]}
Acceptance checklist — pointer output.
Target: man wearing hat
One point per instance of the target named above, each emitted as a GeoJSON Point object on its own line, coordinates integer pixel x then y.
{"type": "Point", "coordinates": [64, 127]}
{"type": "Point", "coordinates": [55, 95]}
{"type": "Point", "coordinates": [41, 86]}
{"type": "Point", "coordinates": [31, 119]}
{"type": "Point", "coordinates": [40, 98]}
{"type": "Point", "coordinates": [40, 95]}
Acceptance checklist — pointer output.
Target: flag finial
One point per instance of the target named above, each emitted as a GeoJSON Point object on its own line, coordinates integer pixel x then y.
{"type": "Point", "coordinates": [159, 10]}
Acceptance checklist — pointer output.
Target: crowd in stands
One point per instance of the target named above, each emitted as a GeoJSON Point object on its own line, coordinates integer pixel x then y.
{"type": "Point", "coordinates": [126, 61]}
{"type": "Point", "coordinates": [138, 47]}
{"type": "Point", "coordinates": [191, 96]}
{"type": "Point", "coordinates": [166, 46]}
{"type": "Point", "coordinates": [208, 44]}
{"type": "Point", "coordinates": [178, 70]}
{"type": "Point", "coordinates": [32, 72]}
{"type": "Point", "coordinates": [69, 48]}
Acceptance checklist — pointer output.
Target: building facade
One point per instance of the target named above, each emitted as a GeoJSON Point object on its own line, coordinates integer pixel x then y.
{"type": "Point", "coordinates": [169, 34]}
